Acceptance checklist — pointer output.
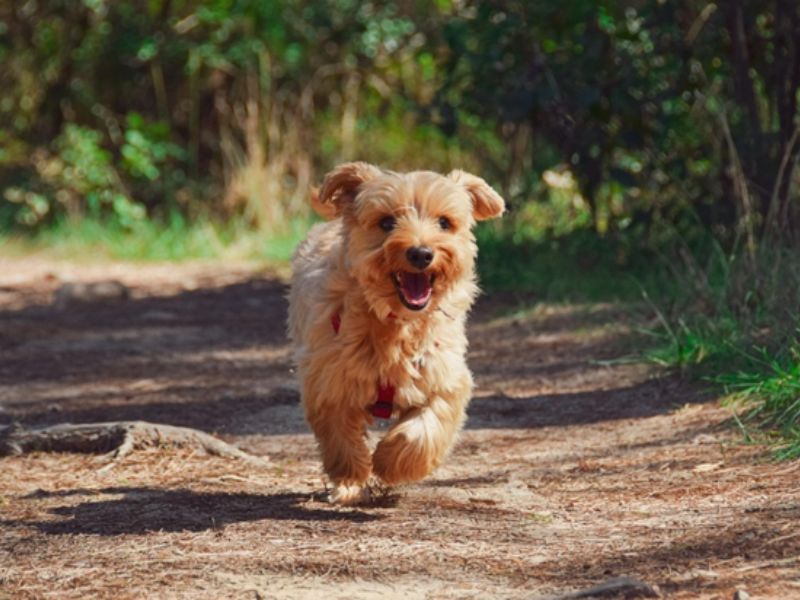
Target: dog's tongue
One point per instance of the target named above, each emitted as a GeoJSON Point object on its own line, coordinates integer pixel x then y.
{"type": "Point", "coordinates": [416, 287]}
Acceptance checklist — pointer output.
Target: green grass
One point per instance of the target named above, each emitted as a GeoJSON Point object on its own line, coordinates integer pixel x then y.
{"type": "Point", "coordinates": [697, 344]}
{"type": "Point", "coordinates": [175, 239]}
{"type": "Point", "coordinates": [761, 384]}
{"type": "Point", "coordinates": [578, 267]}
{"type": "Point", "coordinates": [740, 334]}
{"type": "Point", "coordinates": [768, 389]}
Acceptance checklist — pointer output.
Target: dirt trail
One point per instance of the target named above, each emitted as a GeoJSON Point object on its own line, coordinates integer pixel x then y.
{"type": "Point", "coordinates": [573, 467]}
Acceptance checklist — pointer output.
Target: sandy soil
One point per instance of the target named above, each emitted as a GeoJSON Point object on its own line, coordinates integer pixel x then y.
{"type": "Point", "coordinates": [574, 467]}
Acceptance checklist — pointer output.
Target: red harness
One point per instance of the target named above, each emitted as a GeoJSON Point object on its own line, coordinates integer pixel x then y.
{"type": "Point", "coordinates": [385, 402]}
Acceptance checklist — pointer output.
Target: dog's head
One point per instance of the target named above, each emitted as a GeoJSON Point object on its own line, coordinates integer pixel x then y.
{"type": "Point", "coordinates": [408, 235]}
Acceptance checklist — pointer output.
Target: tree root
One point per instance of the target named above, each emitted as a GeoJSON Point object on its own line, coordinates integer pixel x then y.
{"type": "Point", "coordinates": [114, 439]}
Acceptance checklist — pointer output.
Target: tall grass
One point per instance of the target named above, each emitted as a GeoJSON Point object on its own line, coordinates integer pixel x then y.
{"type": "Point", "coordinates": [768, 390]}
{"type": "Point", "coordinates": [267, 164]}
{"type": "Point", "coordinates": [734, 321]}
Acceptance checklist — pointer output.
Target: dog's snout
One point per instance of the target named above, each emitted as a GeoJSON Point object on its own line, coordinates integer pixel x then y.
{"type": "Point", "coordinates": [420, 256]}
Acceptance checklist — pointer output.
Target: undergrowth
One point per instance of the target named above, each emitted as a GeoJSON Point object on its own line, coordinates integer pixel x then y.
{"type": "Point", "coordinates": [575, 267]}
{"type": "Point", "coordinates": [768, 388]}
{"type": "Point", "coordinates": [733, 322]}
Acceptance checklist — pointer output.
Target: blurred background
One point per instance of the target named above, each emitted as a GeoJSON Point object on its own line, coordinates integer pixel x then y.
{"type": "Point", "coordinates": [609, 119]}
{"type": "Point", "coordinates": [647, 149]}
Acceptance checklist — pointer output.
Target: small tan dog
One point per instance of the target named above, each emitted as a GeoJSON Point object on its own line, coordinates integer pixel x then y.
{"type": "Point", "coordinates": [377, 310]}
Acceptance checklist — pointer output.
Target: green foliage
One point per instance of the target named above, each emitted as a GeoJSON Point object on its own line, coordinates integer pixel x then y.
{"type": "Point", "coordinates": [27, 207]}
{"type": "Point", "coordinates": [734, 323]}
{"type": "Point", "coordinates": [656, 107]}
{"type": "Point", "coordinates": [146, 150]}
{"type": "Point", "coordinates": [711, 343]}
{"type": "Point", "coordinates": [769, 388]}
{"type": "Point", "coordinates": [224, 109]}
{"type": "Point", "coordinates": [653, 109]}
{"type": "Point", "coordinates": [83, 169]}
{"type": "Point", "coordinates": [78, 178]}
{"type": "Point", "coordinates": [577, 267]}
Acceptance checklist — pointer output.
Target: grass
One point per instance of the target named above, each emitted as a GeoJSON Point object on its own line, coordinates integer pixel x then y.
{"type": "Point", "coordinates": [575, 268]}
{"type": "Point", "coordinates": [760, 384]}
{"type": "Point", "coordinates": [688, 343]}
{"type": "Point", "coordinates": [174, 239]}
{"type": "Point", "coordinates": [739, 332]}
{"type": "Point", "coordinates": [768, 390]}
{"type": "Point", "coordinates": [578, 267]}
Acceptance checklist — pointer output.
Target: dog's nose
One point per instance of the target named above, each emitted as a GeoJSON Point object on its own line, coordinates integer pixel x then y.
{"type": "Point", "coordinates": [419, 256]}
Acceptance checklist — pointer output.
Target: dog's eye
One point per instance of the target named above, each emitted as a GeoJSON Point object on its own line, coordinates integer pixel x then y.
{"type": "Point", "coordinates": [387, 223]}
{"type": "Point", "coordinates": [445, 223]}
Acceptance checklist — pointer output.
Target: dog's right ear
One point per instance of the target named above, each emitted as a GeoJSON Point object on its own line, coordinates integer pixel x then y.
{"type": "Point", "coordinates": [341, 185]}
{"type": "Point", "coordinates": [326, 211]}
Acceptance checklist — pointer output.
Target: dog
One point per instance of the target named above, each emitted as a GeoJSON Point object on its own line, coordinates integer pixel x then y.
{"type": "Point", "coordinates": [377, 311]}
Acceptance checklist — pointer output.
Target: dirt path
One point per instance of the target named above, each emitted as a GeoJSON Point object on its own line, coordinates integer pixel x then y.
{"type": "Point", "coordinates": [573, 468]}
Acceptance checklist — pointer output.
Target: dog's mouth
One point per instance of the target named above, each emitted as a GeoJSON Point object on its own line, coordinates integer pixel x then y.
{"type": "Point", "coordinates": [415, 289]}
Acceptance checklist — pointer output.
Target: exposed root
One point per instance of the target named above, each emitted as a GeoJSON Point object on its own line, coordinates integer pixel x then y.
{"type": "Point", "coordinates": [618, 587]}
{"type": "Point", "coordinates": [114, 439]}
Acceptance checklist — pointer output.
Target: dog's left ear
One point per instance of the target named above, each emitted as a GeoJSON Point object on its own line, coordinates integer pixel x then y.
{"type": "Point", "coordinates": [486, 203]}
{"type": "Point", "coordinates": [341, 185]}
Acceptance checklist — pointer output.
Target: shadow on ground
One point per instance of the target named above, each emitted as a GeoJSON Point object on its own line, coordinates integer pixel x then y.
{"type": "Point", "coordinates": [642, 400]}
{"type": "Point", "coordinates": [211, 409]}
{"type": "Point", "coordinates": [45, 345]}
{"type": "Point", "coordinates": [743, 539]}
{"type": "Point", "coordinates": [141, 510]}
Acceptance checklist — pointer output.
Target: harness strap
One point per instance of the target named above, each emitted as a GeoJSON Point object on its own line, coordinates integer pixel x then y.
{"type": "Point", "coordinates": [385, 403]}
{"type": "Point", "coordinates": [383, 407]}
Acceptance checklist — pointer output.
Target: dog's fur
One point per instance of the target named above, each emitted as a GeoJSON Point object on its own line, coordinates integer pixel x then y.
{"type": "Point", "coordinates": [346, 270]}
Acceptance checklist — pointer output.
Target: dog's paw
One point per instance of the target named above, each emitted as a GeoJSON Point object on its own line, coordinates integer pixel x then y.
{"type": "Point", "coordinates": [350, 495]}
{"type": "Point", "coordinates": [378, 490]}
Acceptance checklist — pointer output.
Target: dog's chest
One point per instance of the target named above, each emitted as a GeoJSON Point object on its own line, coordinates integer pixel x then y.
{"type": "Point", "coordinates": [416, 362]}
{"type": "Point", "coordinates": [416, 370]}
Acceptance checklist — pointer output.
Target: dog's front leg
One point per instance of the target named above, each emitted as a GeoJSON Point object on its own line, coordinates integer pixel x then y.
{"type": "Point", "coordinates": [341, 433]}
{"type": "Point", "coordinates": [420, 440]}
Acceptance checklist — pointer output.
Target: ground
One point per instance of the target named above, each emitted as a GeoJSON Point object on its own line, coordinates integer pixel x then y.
{"type": "Point", "coordinates": [575, 466]}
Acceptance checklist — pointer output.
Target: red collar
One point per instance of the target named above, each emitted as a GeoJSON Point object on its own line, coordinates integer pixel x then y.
{"type": "Point", "coordinates": [385, 403]}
